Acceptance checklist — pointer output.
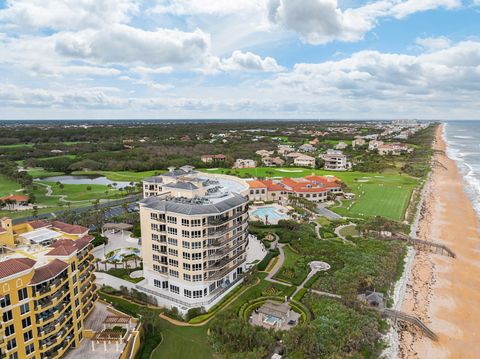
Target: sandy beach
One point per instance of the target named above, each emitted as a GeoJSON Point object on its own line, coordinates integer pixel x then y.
{"type": "Point", "coordinates": [442, 291]}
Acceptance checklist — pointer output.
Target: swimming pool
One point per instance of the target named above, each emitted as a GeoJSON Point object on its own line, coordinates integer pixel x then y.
{"type": "Point", "coordinates": [270, 319]}
{"type": "Point", "coordinates": [118, 254]}
{"type": "Point", "coordinates": [269, 212]}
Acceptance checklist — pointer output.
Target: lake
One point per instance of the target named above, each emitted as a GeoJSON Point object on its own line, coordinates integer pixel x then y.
{"type": "Point", "coordinates": [85, 180]}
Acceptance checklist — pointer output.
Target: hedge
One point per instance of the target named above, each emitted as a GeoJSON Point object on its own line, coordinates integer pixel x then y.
{"type": "Point", "coordinates": [298, 297]}
{"type": "Point", "coordinates": [264, 262]}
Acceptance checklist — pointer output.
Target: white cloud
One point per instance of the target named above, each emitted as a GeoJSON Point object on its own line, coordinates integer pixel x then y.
{"type": "Point", "coordinates": [323, 21]}
{"type": "Point", "coordinates": [67, 14]}
{"type": "Point", "coordinates": [245, 61]}
{"type": "Point", "coordinates": [125, 44]}
{"type": "Point", "coordinates": [434, 43]}
{"type": "Point", "coordinates": [143, 70]}
{"type": "Point", "coordinates": [207, 7]}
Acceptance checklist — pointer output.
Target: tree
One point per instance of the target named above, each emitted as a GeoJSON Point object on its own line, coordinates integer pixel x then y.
{"type": "Point", "coordinates": [302, 342]}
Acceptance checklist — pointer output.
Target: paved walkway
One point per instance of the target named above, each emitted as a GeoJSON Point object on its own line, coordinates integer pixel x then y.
{"type": "Point", "coordinates": [342, 237]}
{"type": "Point", "coordinates": [115, 241]}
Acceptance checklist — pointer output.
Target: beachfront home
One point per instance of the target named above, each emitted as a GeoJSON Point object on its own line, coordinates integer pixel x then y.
{"type": "Point", "coordinates": [335, 161]}
{"type": "Point", "coordinates": [394, 149]}
{"type": "Point", "coordinates": [304, 161]}
{"type": "Point", "coordinates": [359, 141]}
{"type": "Point", "coordinates": [241, 163]}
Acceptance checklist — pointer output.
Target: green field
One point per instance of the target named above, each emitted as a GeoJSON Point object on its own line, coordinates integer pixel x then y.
{"type": "Point", "coordinates": [17, 145]}
{"type": "Point", "coordinates": [123, 176]}
{"type": "Point", "coordinates": [80, 192]}
{"type": "Point", "coordinates": [8, 186]}
{"type": "Point", "coordinates": [377, 200]}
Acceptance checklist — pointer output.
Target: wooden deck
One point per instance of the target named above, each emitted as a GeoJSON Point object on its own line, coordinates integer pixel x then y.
{"type": "Point", "coordinates": [397, 315]}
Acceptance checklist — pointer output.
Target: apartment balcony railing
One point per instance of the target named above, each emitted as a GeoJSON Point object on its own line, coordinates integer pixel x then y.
{"type": "Point", "coordinates": [51, 287]}
{"type": "Point", "coordinates": [52, 314]}
{"type": "Point", "coordinates": [220, 242]}
{"type": "Point", "coordinates": [52, 300]}
{"type": "Point", "coordinates": [220, 231]}
{"type": "Point", "coordinates": [222, 252]}
{"type": "Point", "coordinates": [212, 221]}
{"type": "Point", "coordinates": [221, 273]}
{"type": "Point", "coordinates": [54, 326]}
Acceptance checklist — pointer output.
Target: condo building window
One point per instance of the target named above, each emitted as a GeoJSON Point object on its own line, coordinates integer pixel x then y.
{"type": "Point", "coordinates": [173, 273]}
{"type": "Point", "coordinates": [9, 330]}
{"type": "Point", "coordinates": [157, 283]}
{"type": "Point", "coordinates": [186, 255]}
{"type": "Point", "coordinates": [172, 241]}
{"type": "Point", "coordinates": [187, 266]}
{"type": "Point", "coordinates": [197, 294]}
{"type": "Point", "coordinates": [154, 237]}
{"type": "Point", "coordinates": [197, 267]}
{"type": "Point", "coordinates": [187, 277]}
{"type": "Point", "coordinates": [29, 349]}
{"type": "Point", "coordinates": [196, 245]}
{"type": "Point", "coordinates": [27, 336]}
{"type": "Point", "coordinates": [11, 344]}
{"type": "Point", "coordinates": [174, 289]}
{"type": "Point", "coordinates": [212, 287]}
{"type": "Point", "coordinates": [185, 222]}
{"type": "Point", "coordinates": [5, 301]}
{"type": "Point", "coordinates": [185, 244]}
{"type": "Point", "coordinates": [26, 322]}
{"type": "Point", "coordinates": [187, 293]}
{"type": "Point", "coordinates": [196, 223]}
{"type": "Point", "coordinates": [172, 220]}
{"type": "Point", "coordinates": [173, 262]}
{"type": "Point", "coordinates": [154, 227]}
{"type": "Point", "coordinates": [156, 247]}
{"type": "Point", "coordinates": [196, 256]}
{"type": "Point", "coordinates": [185, 234]}
{"type": "Point", "coordinates": [24, 308]}
{"type": "Point", "coordinates": [172, 230]}
{"type": "Point", "coordinates": [7, 316]}
{"type": "Point", "coordinates": [173, 252]}
{"type": "Point", "coordinates": [153, 216]}
{"type": "Point", "coordinates": [197, 277]}
{"type": "Point", "coordinates": [196, 234]}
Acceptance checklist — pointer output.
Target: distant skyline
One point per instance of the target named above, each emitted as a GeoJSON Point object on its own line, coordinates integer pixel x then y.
{"type": "Point", "coordinates": [289, 59]}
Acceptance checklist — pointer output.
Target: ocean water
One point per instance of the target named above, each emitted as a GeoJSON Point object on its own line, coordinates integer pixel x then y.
{"type": "Point", "coordinates": [463, 146]}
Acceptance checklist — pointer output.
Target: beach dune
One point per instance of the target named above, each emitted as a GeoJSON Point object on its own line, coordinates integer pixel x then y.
{"type": "Point", "coordinates": [442, 291]}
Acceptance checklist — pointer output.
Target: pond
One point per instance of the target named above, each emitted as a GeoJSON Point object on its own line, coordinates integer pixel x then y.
{"type": "Point", "coordinates": [85, 180]}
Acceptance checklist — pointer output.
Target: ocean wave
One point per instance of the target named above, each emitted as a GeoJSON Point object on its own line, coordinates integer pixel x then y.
{"type": "Point", "coordinates": [463, 137]}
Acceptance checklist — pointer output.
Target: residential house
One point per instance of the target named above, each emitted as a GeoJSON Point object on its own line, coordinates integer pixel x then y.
{"type": "Point", "coordinates": [307, 148]}
{"type": "Point", "coordinates": [374, 144]}
{"type": "Point", "coordinates": [271, 162]}
{"type": "Point", "coordinates": [264, 153]}
{"type": "Point", "coordinates": [241, 163]}
{"type": "Point", "coordinates": [335, 161]}
{"type": "Point", "coordinates": [304, 161]}
{"type": "Point", "coordinates": [358, 142]}
{"type": "Point", "coordinates": [341, 146]}
{"type": "Point", "coordinates": [395, 149]}
{"type": "Point", "coordinates": [213, 158]}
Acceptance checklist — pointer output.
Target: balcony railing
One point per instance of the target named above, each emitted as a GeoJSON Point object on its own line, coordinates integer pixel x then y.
{"type": "Point", "coordinates": [220, 274]}
{"type": "Point", "coordinates": [51, 287]}
{"type": "Point", "coordinates": [219, 221]}
{"type": "Point", "coordinates": [222, 252]}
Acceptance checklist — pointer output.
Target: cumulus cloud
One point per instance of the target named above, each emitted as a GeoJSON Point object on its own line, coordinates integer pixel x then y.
{"type": "Point", "coordinates": [376, 75]}
{"type": "Point", "coordinates": [67, 14]}
{"type": "Point", "coordinates": [207, 7]}
{"type": "Point", "coordinates": [323, 21]}
{"type": "Point", "coordinates": [246, 61]}
{"type": "Point", "coordinates": [125, 44]}
{"type": "Point", "coordinates": [433, 43]}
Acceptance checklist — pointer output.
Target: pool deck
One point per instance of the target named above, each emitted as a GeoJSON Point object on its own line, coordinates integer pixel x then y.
{"type": "Point", "coordinates": [281, 211]}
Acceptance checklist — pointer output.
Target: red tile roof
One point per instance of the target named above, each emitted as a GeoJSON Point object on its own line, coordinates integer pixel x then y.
{"type": "Point", "coordinates": [48, 271]}
{"type": "Point", "coordinates": [16, 198]}
{"type": "Point", "coordinates": [256, 184]}
{"type": "Point", "coordinates": [38, 224]}
{"type": "Point", "coordinates": [272, 186]}
{"type": "Point", "coordinates": [62, 250]}
{"type": "Point", "coordinates": [69, 228]}
{"type": "Point", "coordinates": [15, 265]}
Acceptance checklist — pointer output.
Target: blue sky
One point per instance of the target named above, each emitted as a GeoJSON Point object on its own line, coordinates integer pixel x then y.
{"type": "Point", "coordinates": [313, 59]}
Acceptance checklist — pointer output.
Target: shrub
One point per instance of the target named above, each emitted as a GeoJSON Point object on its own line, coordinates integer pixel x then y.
{"type": "Point", "coordinates": [174, 313]}
{"type": "Point", "coordinates": [264, 262]}
{"type": "Point", "coordinates": [194, 312]}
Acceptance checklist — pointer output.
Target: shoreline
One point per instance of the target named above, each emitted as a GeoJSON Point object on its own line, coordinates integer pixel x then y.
{"type": "Point", "coordinates": [443, 292]}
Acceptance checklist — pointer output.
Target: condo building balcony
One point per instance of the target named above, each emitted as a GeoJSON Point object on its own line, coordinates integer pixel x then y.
{"type": "Point", "coordinates": [47, 287]}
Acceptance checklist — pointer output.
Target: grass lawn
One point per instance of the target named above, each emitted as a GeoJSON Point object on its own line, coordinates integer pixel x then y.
{"type": "Point", "coordinates": [121, 176]}
{"type": "Point", "coordinates": [294, 269]}
{"type": "Point", "coordinates": [374, 200]}
{"type": "Point", "coordinates": [123, 273]}
{"type": "Point", "coordinates": [80, 192]}
{"type": "Point", "coordinates": [349, 231]}
{"type": "Point", "coordinates": [41, 173]}
{"type": "Point", "coordinates": [178, 342]}
{"type": "Point", "coordinates": [7, 186]}
{"type": "Point", "coordinates": [17, 145]}
{"type": "Point", "coordinates": [183, 343]}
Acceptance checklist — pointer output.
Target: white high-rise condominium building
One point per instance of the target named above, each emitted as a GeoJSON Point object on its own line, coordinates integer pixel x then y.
{"type": "Point", "coordinates": [194, 237]}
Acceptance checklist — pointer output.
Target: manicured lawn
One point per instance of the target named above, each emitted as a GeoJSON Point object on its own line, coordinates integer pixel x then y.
{"type": "Point", "coordinates": [294, 269]}
{"type": "Point", "coordinates": [183, 343]}
{"type": "Point", "coordinates": [7, 186]}
{"type": "Point", "coordinates": [17, 145]}
{"type": "Point", "coordinates": [123, 176]}
{"type": "Point", "coordinates": [349, 231]}
{"type": "Point", "coordinates": [375, 200]}
{"type": "Point", "coordinates": [80, 192]}
{"type": "Point", "coordinates": [178, 342]}
{"type": "Point", "coordinates": [41, 173]}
